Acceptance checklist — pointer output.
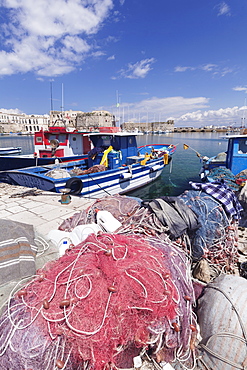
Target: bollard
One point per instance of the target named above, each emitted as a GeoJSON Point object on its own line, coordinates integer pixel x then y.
{"type": "Point", "coordinates": [65, 197]}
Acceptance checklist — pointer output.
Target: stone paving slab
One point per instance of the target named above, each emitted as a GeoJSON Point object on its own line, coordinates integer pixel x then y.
{"type": "Point", "coordinates": [14, 209]}
{"type": "Point", "coordinates": [43, 210]}
{"type": "Point", "coordinates": [5, 214]}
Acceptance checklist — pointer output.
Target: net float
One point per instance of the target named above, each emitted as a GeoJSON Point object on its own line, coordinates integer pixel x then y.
{"type": "Point", "coordinates": [21, 293]}
{"type": "Point", "coordinates": [46, 304]}
{"type": "Point", "coordinates": [64, 303]}
{"type": "Point", "coordinates": [176, 327]}
{"type": "Point", "coordinates": [193, 328]}
{"type": "Point", "coordinates": [112, 289]}
{"type": "Point", "coordinates": [108, 252]}
{"type": "Point", "coordinates": [60, 364]}
{"type": "Point", "coordinates": [187, 298]}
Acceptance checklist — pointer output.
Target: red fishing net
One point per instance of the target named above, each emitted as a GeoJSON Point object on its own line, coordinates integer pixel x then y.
{"type": "Point", "coordinates": [108, 295]}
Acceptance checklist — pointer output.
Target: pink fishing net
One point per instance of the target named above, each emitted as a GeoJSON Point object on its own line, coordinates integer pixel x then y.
{"type": "Point", "coordinates": [99, 305]}
{"type": "Point", "coordinates": [216, 240]}
{"type": "Point", "coordinates": [134, 218]}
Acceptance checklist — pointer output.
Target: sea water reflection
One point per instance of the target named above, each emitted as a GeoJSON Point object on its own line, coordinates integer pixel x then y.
{"type": "Point", "coordinates": [26, 142]}
{"type": "Point", "coordinates": [175, 178]}
{"type": "Point", "coordinates": [185, 165]}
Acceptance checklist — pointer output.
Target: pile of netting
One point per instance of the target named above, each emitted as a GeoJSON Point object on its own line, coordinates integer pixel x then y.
{"type": "Point", "coordinates": [219, 173]}
{"type": "Point", "coordinates": [216, 239]}
{"type": "Point", "coordinates": [99, 305]}
{"type": "Point", "coordinates": [96, 168]}
{"type": "Point", "coordinates": [134, 218]}
{"type": "Point", "coordinates": [241, 177]}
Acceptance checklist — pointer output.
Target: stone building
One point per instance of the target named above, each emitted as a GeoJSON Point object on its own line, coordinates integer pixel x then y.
{"type": "Point", "coordinates": [149, 126]}
{"type": "Point", "coordinates": [67, 117]}
{"type": "Point", "coordinates": [21, 122]}
{"type": "Point", "coordinates": [82, 120]}
{"type": "Point", "coordinates": [94, 120]}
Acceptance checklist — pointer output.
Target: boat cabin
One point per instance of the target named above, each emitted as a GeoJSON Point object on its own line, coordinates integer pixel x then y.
{"type": "Point", "coordinates": [124, 149]}
{"type": "Point", "coordinates": [236, 159]}
{"type": "Point", "coordinates": [59, 142]}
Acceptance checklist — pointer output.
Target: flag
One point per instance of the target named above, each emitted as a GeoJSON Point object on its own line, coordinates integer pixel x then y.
{"type": "Point", "coordinates": [117, 105]}
{"type": "Point", "coordinates": [186, 146]}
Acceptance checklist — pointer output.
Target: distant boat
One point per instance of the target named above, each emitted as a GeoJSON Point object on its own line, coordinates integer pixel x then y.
{"type": "Point", "coordinates": [115, 165]}
{"type": "Point", "coordinates": [10, 150]}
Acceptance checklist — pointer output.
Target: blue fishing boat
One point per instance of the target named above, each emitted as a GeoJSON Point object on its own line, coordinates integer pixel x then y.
{"type": "Point", "coordinates": [115, 165]}
{"type": "Point", "coordinates": [234, 159]}
{"type": "Point", "coordinates": [10, 150]}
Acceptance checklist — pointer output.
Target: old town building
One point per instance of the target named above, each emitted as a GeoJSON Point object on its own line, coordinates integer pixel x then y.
{"type": "Point", "coordinates": [21, 122]}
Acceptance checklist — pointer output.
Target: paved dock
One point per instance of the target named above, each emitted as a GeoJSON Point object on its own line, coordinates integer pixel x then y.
{"type": "Point", "coordinates": [43, 210]}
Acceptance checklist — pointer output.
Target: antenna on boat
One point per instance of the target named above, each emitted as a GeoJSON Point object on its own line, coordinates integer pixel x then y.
{"type": "Point", "coordinates": [62, 108]}
{"type": "Point", "coordinates": [118, 113]}
{"type": "Point", "coordinates": [51, 97]}
{"type": "Point", "coordinates": [51, 115]}
{"type": "Point", "coordinates": [243, 119]}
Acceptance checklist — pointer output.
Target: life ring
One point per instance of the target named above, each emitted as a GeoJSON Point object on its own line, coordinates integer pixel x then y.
{"type": "Point", "coordinates": [75, 185]}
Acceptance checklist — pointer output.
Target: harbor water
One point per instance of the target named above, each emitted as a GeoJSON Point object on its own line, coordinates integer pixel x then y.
{"type": "Point", "coordinates": [174, 180]}
{"type": "Point", "coordinates": [185, 165]}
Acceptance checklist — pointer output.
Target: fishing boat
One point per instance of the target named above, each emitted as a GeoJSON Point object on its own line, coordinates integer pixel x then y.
{"type": "Point", "coordinates": [115, 165]}
{"type": "Point", "coordinates": [57, 142]}
{"type": "Point", "coordinates": [10, 150]}
{"type": "Point", "coordinates": [234, 159]}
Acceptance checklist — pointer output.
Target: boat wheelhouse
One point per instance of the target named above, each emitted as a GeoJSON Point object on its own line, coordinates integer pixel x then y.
{"type": "Point", "coordinates": [234, 159]}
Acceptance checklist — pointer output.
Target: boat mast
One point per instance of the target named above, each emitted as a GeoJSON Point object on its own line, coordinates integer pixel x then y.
{"type": "Point", "coordinates": [118, 111]}
{"type": "Point", "coordinates": [62, 108]}
{"type": "Point", "coordinates": [51, 97]}
{"type": "Point", "coordinates": [243, 123]}
{"type": "Point", "coordinates": [51, 115]}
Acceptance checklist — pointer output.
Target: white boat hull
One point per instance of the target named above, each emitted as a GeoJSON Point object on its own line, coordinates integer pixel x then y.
{"type": "Point", "coordinates": [10, 151]}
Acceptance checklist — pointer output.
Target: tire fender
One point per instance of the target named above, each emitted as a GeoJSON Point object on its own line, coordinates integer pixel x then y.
{"type": "Point", "coordinates": [75, 185]}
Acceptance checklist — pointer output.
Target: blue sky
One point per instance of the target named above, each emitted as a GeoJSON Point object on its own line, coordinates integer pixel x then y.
{"type": "Point", "coordinates": [163, 59]}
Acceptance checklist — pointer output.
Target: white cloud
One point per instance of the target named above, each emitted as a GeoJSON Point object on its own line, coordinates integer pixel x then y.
{"type": "Point", "coordinates": [170, 105]}
{"type": "Point", "coordinates": [184, 111]}
{"type": "Point", "coordinates": [183, 69]}
{"type": "Point", "coordinates": [11, 111]}
{"type": "Point", "coordinates": [112, 57]}
{"type": "Point", "coordinates": [240, 88]}
{"type": "Point", "coordinates": [137, 70]}
{"type": "Point", "coordinates": [161, 108]}
{"type": "Point", "coordinates": [222, 116]}
{"type": "Point", "coordinates": [50, 37]}
{"type": "Point", "coordinates": [98, 54]}
{"type": "Point", "coordinates": [223, 9]}
{"type": "Point", "coordinates": [210, 67]}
